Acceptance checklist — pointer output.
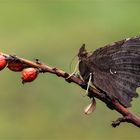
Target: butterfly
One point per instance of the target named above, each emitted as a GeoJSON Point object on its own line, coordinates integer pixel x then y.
{"type": "Point", "coordinates": [115, 69]}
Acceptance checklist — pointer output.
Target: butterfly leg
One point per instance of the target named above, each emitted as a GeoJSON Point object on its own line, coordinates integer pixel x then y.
{"type": "Point", "coordinates": [75, 71]}
{"type": "Point", "coordinates": [88, 84]}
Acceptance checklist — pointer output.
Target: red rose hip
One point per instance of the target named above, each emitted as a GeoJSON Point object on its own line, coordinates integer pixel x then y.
{"type": "Point", "coordinates": [3, 62]}
{"type": "Point", "coordinates": [29, 75]}
{"type": "Point", "coordinates": [16, 66]}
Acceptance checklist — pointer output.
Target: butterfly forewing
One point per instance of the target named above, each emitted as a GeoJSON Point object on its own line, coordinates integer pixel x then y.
{"type": "Point", "coordinates": [116, 69]}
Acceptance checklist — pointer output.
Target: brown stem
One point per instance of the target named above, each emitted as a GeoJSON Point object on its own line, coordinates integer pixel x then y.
{"type": "Point", "coordinates": [127, 115]}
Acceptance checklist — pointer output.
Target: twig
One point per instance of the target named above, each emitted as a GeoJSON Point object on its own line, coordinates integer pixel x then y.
{"type": "Point", "coordinates": [112, 104]}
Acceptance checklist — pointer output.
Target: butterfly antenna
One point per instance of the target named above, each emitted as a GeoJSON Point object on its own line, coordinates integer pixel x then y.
{"type": "Point", "coordinates": [70, 65]}
{"type": "Point", "coordinates": [75, 69]}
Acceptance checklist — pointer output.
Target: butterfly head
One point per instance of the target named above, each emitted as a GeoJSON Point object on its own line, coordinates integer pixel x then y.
{"type": "Point", "coordinates": [83, 54]}
{"type": "Point", "coordinates": [84, 68]}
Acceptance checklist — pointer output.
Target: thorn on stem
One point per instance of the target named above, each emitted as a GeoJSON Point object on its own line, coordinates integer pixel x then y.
{"type": "Point", "coordinates": [12, 57]}
{"type": "Point", "coordinates": [38, 61]}
{"type": "Point", "coordinates": [120, 120]}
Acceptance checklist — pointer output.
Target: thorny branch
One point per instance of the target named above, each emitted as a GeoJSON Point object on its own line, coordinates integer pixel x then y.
{"type": "Point", "coordinates": [127, 116]}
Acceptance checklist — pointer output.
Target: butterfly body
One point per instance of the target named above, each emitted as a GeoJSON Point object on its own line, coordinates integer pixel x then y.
{"type": "Point", "coordinates": [115, 69]}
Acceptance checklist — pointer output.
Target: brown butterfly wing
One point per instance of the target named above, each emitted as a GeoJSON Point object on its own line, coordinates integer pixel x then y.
{"type": "Point", "coordinates": [116, 69]}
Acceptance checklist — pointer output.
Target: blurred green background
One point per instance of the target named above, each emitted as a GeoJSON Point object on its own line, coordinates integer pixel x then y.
{"type": "Point", "coordinates": [53, 31]}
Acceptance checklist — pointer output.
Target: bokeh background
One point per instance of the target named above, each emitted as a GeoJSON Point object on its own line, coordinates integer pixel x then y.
{"type": "Point", "coordinates": [53, 31]}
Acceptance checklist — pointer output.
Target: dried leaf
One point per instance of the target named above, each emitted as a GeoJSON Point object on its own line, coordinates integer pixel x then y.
{"type": "Point", "coordinates": [91, 107]}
